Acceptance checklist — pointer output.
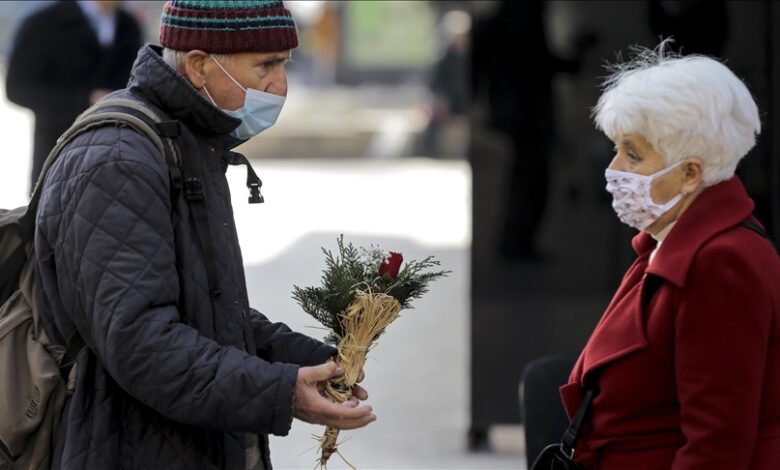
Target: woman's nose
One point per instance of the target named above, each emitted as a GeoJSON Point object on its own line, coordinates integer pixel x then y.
{"type": "Point", "coordinates": [615, 163]}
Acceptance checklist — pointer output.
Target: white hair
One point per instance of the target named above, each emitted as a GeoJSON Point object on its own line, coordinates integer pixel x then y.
{"type": "Point", "coordinates": [683, 106]}
{"type": "Point", "coordinates": [176, 58]}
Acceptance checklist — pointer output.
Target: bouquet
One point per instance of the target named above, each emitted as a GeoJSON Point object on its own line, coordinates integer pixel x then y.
{"type": "Point", "coordinates": [363, 291]}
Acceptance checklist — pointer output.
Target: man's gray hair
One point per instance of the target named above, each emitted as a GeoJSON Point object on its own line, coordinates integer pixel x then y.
{"type": "Point", "coordinates": [176, 58]}
{"type": "Point", "coordinates": [691, 106]}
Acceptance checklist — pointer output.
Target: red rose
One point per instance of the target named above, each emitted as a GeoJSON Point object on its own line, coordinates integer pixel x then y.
{"type": "Point", "coordinates": [391, 265]}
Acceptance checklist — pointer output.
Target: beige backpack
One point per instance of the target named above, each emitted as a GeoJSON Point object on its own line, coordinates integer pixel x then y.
{"type": "Point", "coordinates": [36, 373]}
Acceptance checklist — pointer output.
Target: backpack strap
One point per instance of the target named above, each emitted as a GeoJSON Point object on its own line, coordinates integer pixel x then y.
{"type": "Point", "coordinates": [193, 193]}
{"type": "Point", "coordinates": [184, 174]}
{"type": "Point", "coordinates": [109, 111]}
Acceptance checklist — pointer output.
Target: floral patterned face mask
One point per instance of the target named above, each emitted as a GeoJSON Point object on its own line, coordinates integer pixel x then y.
{"type": "Point", "coordinates": [631, 197]}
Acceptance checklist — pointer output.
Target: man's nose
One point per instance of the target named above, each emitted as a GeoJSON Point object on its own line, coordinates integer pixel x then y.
{"type": "Point", "coordinates": [278, 85]}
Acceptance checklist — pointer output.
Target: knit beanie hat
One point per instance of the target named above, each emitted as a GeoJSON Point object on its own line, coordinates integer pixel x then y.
{"type": "Point", "coordinates": [227, 27]}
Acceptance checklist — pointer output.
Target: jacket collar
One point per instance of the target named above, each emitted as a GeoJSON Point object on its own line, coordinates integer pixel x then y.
{"type": "Point", "coordinates": [155, 80]}
{"type": "Point", "coordinates": [717, 209]}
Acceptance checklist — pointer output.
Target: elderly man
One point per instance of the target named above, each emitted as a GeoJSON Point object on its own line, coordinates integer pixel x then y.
{"type": "Point", "coordinates": [178, 371]}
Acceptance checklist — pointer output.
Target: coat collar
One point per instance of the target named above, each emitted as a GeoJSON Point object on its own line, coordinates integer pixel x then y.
{"type": "Point", "coordinates": [621, 330]}
{"type": "Point", "coordinates": [716, 210]}
{"type": "Point", "coordinates": [158, 82]}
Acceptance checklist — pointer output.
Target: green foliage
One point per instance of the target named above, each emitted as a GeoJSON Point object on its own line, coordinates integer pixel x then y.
{"type": "Point", "coordinates": [353, 270]}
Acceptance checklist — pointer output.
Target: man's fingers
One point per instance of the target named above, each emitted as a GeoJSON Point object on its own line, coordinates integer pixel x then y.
{"type": "Point", "coordinates": [361, 376]}
{"type": "Point", "coordinates": [351, 418]}
{"type": "Point", "coordinates": [360, 393]}
{"type": "Point", "coordinates": [342, 411]}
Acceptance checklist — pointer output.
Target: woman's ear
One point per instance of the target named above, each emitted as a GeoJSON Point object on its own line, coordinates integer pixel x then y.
{"type": "Point", "coordinates": [692, 175]}
{"type": "Point", "coordinates": [195, 68]}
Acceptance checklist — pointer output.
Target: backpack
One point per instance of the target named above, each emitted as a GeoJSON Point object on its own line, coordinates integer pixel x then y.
{"type": "Point", "coordinates": [36, 372]}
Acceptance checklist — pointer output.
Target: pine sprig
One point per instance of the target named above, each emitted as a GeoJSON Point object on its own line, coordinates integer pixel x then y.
{"type": "Point", "coordinates": [354, 270]}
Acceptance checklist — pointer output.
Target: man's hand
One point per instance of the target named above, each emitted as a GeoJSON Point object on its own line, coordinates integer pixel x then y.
{"type": "Point", "coordinates": [313, 407]}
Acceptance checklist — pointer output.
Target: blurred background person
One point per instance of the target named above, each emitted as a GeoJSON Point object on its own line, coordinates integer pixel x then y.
{"type": "Point", "coordinates": [449, 83]}
{"type": "Point", "coordinates": [65, 57]}
{"type": "Point", "coordinates": [697, 26]}
{"type": "Point", "coordinates": [512, 61]}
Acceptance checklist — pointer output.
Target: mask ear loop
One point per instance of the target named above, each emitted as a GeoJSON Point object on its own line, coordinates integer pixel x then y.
{"type": "Point", "coordinates": [226, 73]}
{"type": "Point", "coordinates": [209, 95]}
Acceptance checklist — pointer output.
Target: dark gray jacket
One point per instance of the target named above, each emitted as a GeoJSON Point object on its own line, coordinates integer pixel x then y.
{"type": "Point", "coordinates": [171, 378]}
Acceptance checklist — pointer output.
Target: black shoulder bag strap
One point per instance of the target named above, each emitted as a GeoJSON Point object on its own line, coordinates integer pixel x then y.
{"type": "Point", "coordinates": [561, 456]}
{"type": "Point", "coordinates": [750, 224]}
{"type": "Point", "coordinates": [571, 435]}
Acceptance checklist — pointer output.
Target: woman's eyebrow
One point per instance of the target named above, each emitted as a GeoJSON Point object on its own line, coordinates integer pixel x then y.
{"type": "Point", "coordinates": [628, 145]}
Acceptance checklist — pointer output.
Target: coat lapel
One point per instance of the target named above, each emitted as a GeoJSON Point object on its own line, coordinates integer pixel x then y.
{"type": "Point", "coordinates": [621, 330]}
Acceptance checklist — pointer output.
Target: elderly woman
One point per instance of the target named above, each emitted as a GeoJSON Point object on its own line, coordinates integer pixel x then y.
{"type": "Point", "coordinates": [686, 358]}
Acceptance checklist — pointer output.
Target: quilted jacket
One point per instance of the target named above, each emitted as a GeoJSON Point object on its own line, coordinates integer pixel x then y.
{"type": "Point", "coordinates": [170, 378]}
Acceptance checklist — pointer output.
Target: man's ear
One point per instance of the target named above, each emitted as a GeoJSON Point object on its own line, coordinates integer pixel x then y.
{"type": "Point", "coordinates": [693, 174]}
{"type": "Point", "coordinates": [195, 67]}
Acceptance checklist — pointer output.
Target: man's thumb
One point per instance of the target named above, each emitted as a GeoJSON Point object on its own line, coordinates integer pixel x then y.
{"type": "Point", "coordinates": [327, 371]}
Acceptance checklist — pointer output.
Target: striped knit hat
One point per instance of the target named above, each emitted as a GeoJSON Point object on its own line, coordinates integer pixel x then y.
{"type": "Point", "coordinates": [227, 27]}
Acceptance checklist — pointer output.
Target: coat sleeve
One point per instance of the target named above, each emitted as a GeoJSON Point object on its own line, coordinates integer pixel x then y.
{"type": "Point", "coordinates": [722, 337]}
{"type": "Point", "coordinates": [277, 343]}
{"type": "Point", "coordinates": [116, 271]}
{"type": "Point", "coordinates": [27, 80]}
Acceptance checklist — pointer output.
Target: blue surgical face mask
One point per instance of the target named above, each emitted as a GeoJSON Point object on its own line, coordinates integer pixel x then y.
{"type": "Point", "coordinates": [258, 113]}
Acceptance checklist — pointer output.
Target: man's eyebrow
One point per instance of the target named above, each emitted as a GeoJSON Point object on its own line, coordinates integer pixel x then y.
{"type": "Point", "coordinates": [279, 56]}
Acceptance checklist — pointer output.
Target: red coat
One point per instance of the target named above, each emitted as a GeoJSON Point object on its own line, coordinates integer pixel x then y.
{"type": "Point", "coordinates": [692, 381]}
